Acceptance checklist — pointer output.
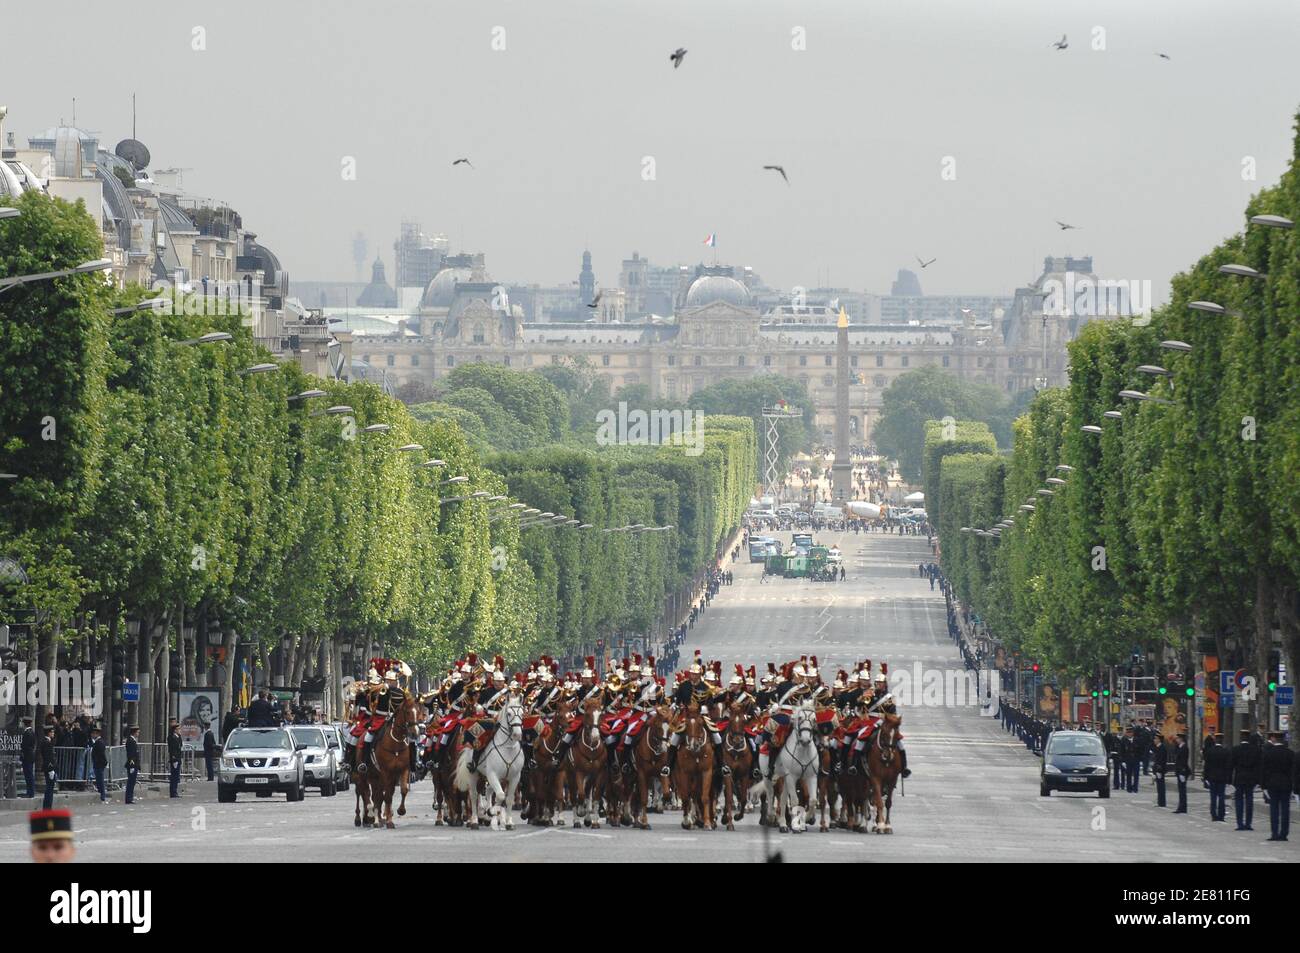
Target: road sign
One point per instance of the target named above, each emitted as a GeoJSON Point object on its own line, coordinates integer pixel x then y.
{"type": "Point", "coordinates": [130, 691]}
{"type": "Point", "coordinates": [1227, 683]}
{"type": "Point", "coordinates": [1286, 695]}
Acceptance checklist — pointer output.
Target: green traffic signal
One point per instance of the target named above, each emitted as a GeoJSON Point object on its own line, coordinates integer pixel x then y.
{"type": "Point", "coordinates": [1106, 692]}
{"type": "Point", "coordinates": [1191, 692]}
{"type": "Point", "coordinates": [1094, 693]}
{"type": "Point", "coordinates": [1164, 690]}
{"type": "Point", "coordinates": [1272, 686]}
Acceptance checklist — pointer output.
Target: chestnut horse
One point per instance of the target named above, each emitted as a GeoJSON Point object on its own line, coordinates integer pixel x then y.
{"type": "Point", "coordinates": [388, 761]}
{"type": "Point", "coordinates": [737, 756]}
{"type": "Point", "coordinates": [448, 802]}
{"type": "Point", "coordinates": [587, 764]}
{"type": "Point", "coordinates": [546, 781]}
{"type": "Point", "coordinates": [883, 767]}
{"type": "Point", "coordinates": [694, 780]}
{"type": "Point", "coordinates": [650, 757]}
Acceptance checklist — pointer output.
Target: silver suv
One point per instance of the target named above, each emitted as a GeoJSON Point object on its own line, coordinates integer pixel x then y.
{"type": "Point", "coordinates": [319, 763]}
{"type": "Point", "coordinates": [263, 760]}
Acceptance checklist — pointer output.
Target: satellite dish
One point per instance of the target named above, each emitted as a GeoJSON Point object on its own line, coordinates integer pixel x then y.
{"type": "Point", "coordinates": [134, 152]}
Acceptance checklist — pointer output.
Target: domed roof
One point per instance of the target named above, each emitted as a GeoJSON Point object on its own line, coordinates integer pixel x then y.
{"type": "Point", "coordinates": [442, 289]}
{"type": "Point", "coordinates": [710, 288]}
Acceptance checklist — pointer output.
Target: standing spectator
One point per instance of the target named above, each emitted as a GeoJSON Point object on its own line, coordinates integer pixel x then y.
{"type": "Point", "coordinates": [230, 723]}
{"type": "Point", "coordinates": [132, 761]}
{"type": "Point", "coordinates": [209, 751]}
{"type": "Point", "coordinates": [174, 749]}
{"type": "Point", "coordinates": [28, 756]}
{"type": "Point", "coordinates": [1278, 776]}
{"type": "Point", "coordinates": [1218, 771]}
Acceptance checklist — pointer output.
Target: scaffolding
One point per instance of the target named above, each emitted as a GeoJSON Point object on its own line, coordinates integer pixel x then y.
{"type": "Point", "coordinates": [774, 415]}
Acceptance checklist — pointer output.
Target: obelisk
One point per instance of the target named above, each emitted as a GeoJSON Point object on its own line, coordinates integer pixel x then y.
{"type": "Point", "coordinates": [842, 468]}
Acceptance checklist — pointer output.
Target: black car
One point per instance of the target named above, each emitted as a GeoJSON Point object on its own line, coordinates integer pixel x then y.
{"type": "Point", "coordinates": [1074, 761]}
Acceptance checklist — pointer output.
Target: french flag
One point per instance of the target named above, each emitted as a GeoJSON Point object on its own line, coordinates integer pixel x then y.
{"type": "Point", "coordinates": [712, 240]}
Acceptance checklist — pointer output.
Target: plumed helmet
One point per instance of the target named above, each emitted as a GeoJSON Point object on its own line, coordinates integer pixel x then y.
{"type": "Point", "coordinates": [739, 677]}
{"type": "Point", "coordinates": [697, 667]}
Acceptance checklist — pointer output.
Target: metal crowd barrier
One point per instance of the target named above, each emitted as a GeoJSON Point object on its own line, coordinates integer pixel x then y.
{"type": "Point", "coordinates": [11, 775]}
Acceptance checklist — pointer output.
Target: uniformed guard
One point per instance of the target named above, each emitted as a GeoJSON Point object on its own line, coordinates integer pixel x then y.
{"type": "Point", "coordinates": [132, 761]}
{"type": "Point", "coordinates": [28, 756]}
{"type": "Point", "coordinates": [1159, 766]}
{"type": "Point", "coordinates": [490, 700]}
{"type": "Point", "coordinates": [1182, 771]}
{"type": "Point", "coordinates": [99, 761]}
{"type": "Point", "coordinates": [52, 839]}
{"type": "Point", "coordinates": [49, 767]}
{"type": "Point", "coordinates": [174, 754]}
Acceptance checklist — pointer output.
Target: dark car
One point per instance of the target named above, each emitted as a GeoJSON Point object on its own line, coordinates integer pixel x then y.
{"type": "Point", "coordinates": [1074, 761]}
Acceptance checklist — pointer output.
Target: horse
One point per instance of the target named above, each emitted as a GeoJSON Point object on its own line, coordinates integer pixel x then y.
{"type": "Point", "coordinates": [388, 762]}
{"type": "Point", "coordinates": [883, 768]}
{"type": "Point", "coordinates": [502, 761]}
{"type": "Point", "coordinates": [737, 756]}
{"type": "Point", "coordinates": [587, 762]}
{"type": "Point", "coordinates": [651, 755]}
{"type": "Point", "coordinates": [547, 779]}
{"type": "Point", "coordinates": [796, 768]}
{"type": "Point", "coordinates": [694, 781]}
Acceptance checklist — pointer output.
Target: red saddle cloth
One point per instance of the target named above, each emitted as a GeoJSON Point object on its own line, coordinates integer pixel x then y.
{"type": "Point", "coordinates": [825, 716]}
{"type": "Point", "coordinates": [575, 725]}
{"type": "Point", "coordinates": [636, 723]}
{"type": "Point", "coordinates": [615, 721]}
{"type": "Point", "coordinates": [373, 723]}
{"type": "Point", "coordinates": [754, 729]}
{"type": "Point", "coordinates": [868, 727]}
{"type": "Point", "coordinates": [722, 725]}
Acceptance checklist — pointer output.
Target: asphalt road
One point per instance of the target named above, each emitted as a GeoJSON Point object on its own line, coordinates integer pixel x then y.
{"type": "Point", "coordinates": [973, 795]}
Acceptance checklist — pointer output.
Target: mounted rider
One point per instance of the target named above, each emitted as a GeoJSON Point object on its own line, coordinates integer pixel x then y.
{"type": "Point", "coordinates": [693, 691]}
{"type": "Point", "coordinates": [540, 703]}
{"type": "Point", "coordinates": [490, 700]}
{"type": "Point", "coordinates": [793, 690]}
{"type": "Point", "coordinates": [585, 686]}
{"type": "Point", "coordinates": [376, 703]}
{"type": "Point", "coordinates": [457, 700]}
{"type": "Point", "coordinates": [877, 704]}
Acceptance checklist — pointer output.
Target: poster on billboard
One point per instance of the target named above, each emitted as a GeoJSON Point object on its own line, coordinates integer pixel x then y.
{"type": "Point", "coordinates": [1047, 703]}
{"type": "Point", "coordinates": [198, 708]}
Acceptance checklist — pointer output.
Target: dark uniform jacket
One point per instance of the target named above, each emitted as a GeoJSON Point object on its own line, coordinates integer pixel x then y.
{"type": "Point", "coordinates": [687, 693]}
{"type": "Point", "coordinates": [1245, 764]}
{"type": "Point", "coordinates": [1218, 764]}
{"type": "Point", "coordinates": [46, 748]}
{"type": "Point", "coordinates": [1182, 764]}
{"type": "Point", "coordinates": [99, 754]}
{"type": "Point", "coordinates": [28, 754]}
{"type": "Point", "coordinates": [1159, 759]}
{"type": "Point", "coordinates": [132, 752]}
{"type": "Point", "coordinates": [174, 746]}
{"type": "Point", "coordinates": [1277, 770]}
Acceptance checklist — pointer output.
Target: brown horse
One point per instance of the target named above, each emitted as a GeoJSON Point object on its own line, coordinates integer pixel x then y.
{"type": "Point", "coordinates": [694, 779]}
{"type": "Point", "coordinates": [649, 758]}
{"type": "Point", "coordinates": [737, 756]}
{"type": "Point", "coordinates": [883, 768]}
{"type": "Point", "coordinates": [448, 802]}
{"type": "Point", "coordinates": [388, 762]}
{"type": "Point", "coordinates": [587, 767]}
{"type": "Point", "coordinates": [546, 781]}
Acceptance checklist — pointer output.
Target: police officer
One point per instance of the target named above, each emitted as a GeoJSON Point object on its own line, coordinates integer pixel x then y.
{"type": "Point", "coordinates": [1218, 771]}
{"type": "Point", "coordinates": [1277, 774]}
{"type": "Point", "coordinates": [1245, 775]}
{"type": "Point", "coordinates": [1159, 763]}
{"type": "Point", "coordinates": [99, 761]}
{"type": "Point", "coordinates": [132, 761]}
{"type": "Point", "coordinates": [28, 756]}
{"type": "Point", "coordinates": [1182, 771]}
{"type": "Point", "coordinates": [1132, 757]}
{"type": "Point", "coordinates": [48, 765]}
{"type": "Point", "coordinates": [174, 749]}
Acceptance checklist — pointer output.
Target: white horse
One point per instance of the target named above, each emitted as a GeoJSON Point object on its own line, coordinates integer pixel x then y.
{"type": "Point", "coordinates": [797, 763]}
{"type": "Point", "coordinates": [500, 768]}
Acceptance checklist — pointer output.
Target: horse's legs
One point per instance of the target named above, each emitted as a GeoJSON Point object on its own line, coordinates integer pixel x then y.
{"type": "Point", "coordinates": [406, 787]}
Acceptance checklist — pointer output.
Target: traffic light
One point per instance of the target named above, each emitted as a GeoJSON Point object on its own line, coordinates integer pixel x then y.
{"type": "Point", "coordinates": [1189, 691]}
{"type": "Point", "coordinates": [1095, 693]}
{"type": "Point", "coordinates": [1034, 667]}
{"type": "Point", "coordinates": [1163, 689]}
{"type": "Point", "coordinates": [1105, 693]}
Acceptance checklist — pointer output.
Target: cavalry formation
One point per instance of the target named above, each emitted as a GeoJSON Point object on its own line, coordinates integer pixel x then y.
{"type": "Point", "coordinates": [544, 743]}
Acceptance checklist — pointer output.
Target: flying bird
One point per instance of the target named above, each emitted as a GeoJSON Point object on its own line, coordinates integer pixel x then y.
{"type": "Point", "coordinates": [463, 162]}
{"type": "Point", "coordinates": [777, 168]}
{"type": "Point", "coordinates": [1163, 56]}
{"type": "Point", "coordinates": [596, 300]}
{"type": "Point", "coordinates": [677, 56]}
{"type": "Point", "coordinates": [1062, 43]}
{"type": "Point", "coordinates": [1064, 226]}
{"type": "Point", "coordinates": [925, 264]}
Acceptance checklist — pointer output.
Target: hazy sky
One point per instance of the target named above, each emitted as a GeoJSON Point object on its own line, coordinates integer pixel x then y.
{"type": "Point", "coordinates": [1143, 154]}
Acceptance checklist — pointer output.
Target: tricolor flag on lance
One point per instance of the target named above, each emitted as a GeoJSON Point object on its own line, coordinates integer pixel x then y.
{"type": "Point", "coordinates": [712, 240]}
